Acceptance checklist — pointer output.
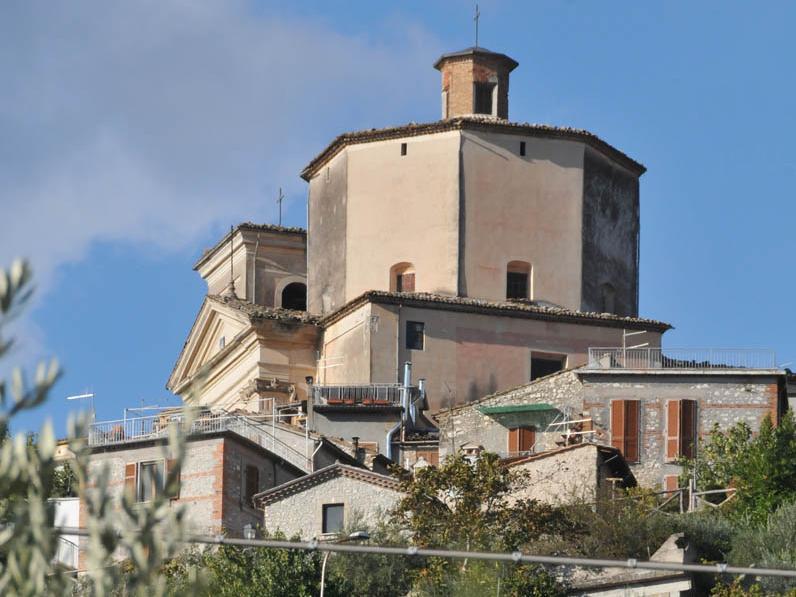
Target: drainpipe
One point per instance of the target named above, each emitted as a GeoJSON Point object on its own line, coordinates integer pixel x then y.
{"type": "Point", "coordinates": [388, 440]}
{"type": "Point", "coordinates": [405, 397]}
{"type": "Point", "coordinates": [421, 393]}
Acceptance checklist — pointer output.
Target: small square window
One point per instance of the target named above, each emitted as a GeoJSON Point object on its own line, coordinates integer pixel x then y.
{"type": "Point", "coordinates": [403, 148]}
{"type": "Point", "coordinates": [415, 335]}
{"type": "Point", "coordinates": [332, 518]}
{"type": "Point", "coordinates": [541, 366]}
{"type": "Point", "coordinates": [522, 148]}
{"type": "Point", "coordinates": [516, 285]}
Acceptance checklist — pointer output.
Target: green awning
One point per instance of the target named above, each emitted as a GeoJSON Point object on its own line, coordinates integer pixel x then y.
{"type": "Point", "coordinates": [539, 414]}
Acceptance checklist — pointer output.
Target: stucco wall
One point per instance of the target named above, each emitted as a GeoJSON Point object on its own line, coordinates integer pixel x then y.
{"type": "Point", "coordinates": [562, 478]}
{"type": "Point", "coordinates": [326, 227]}
{"type": "Point", "coordinates": [524, 209]}
{"type": "Point", "coordinates": [302, 514]}
{"type": "Point", "coordinates": [346, 353]}
{"type": "Point", "coordinates": [610, 235]}
{"type": "Point", "coordinates": [403, 209]}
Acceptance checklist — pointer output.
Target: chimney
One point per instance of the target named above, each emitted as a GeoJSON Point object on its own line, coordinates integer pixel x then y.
{"type": "Point", "coordinates": [475, 81]}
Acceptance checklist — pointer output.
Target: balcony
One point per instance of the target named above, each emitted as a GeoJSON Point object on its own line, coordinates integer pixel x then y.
{"type": "Point", "coordinates": [127, 431]}
{"type": "Point", "coordinates": [680, 358]}
{"type": "Point", "coordinates": [362, 395]}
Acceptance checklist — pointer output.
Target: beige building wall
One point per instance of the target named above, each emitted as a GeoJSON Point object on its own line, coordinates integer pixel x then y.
{"type": "Point", "coordinates": [522, 208]}
{"type": "Point", "coordinates": [403, 208]}
{"type": "Point", "coordinates": [563, 477]}
{"type": "Point", "coordinates": [466, 356]}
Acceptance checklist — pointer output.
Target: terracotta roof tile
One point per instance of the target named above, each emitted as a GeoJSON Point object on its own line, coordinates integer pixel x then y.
{"type": "Point", "coordinates": [261, 312]}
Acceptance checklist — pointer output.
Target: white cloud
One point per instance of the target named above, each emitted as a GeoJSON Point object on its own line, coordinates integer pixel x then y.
{"type": "Point", "coordinates": [152, 121]}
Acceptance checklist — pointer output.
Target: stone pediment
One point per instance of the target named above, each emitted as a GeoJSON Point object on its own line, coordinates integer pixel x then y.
{"type": "Point", "coordinates": [215, 330]}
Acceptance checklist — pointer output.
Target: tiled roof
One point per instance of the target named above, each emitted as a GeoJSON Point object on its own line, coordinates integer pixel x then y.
{"type": "Point", "coordinates": [487, 123]}
{"type": "Point", "coordinates": [295, 486]}
{"type": "Point", "coordinates": [251, 226]}
{"type": "Point", "coordinates": [261, 312]}
{"type": "Point", "coordinates": [481, 51]}
{"type": "Point", "coordinates": [506, 308]}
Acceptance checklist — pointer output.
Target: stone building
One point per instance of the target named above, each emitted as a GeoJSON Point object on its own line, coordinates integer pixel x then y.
{"type": "Point", "coordinates": [653, 412]}
{"type": "Point", "coordinates": [322, 504]}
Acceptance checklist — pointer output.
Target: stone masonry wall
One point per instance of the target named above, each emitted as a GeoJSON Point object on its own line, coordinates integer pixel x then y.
{"type": "Point", "coordinates": [563, 478]}
{"type": "Point", "coordinates": [466, 425]}
{"type": "Point", "coordinates": [302, 513]}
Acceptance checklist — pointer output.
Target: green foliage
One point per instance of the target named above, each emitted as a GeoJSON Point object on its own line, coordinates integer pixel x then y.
{"type": "Point", "coordinates": [29, 475]}
{"type": "Point", "coordinates": [762, 468]}
{"type": "Point", "coordinates": [64, 482]}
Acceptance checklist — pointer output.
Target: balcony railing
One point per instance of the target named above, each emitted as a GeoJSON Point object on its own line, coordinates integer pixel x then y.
{"type": "Point", "coordinates": [680, 358]}
{"type": "Point", "coordinates": [361, 395]}
{"type": "Point", "coordinates": [137, 429]}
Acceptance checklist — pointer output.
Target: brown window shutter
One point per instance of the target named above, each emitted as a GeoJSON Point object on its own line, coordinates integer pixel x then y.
{"type": "Point", "coordinates": [514, 441]}
{"type": "Point", "coordinates": [172, 465]}
{"type": "Point", "coordinates": [688, 428]}
{"type": "Point", "coordinates": [672, 430]}
{"type": "Point", "coordinates": [130, 481]}
{"type": "Point", "coordinates": [408, 283]}
{"type": "Point", "coordinates": [618, 425]}
{"type": "Point", "coordinates": [631, 450]}
{"type": "Point", "coordinates": [671, 482]}
{"type": "Point", "coordinates": [527, 439]}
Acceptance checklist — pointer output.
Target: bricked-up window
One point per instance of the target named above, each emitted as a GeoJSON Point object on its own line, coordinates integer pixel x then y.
{"type": "Point", "coordinates": [405, 282]}
{"type": "Point", "coordinates": [332, 518]}
{"type": "Point", "coordinates": [151, 480]}
{"type": "Point", "coordinates": [251, 484]}
{"type": "Point", "coordinates": [681, 429]}
{"type": "Point", "coordinates": [403, 148]}
{"type": "Point", "coordinates": [625, 428]}
{"type": "Point", "coordinates": [415, 335]}
{"type": "Point", "coordinates": [483, 98]}
{"type": "Point", "coordinates": [521, 439]}
{"type": "Point", "coordinates": [544, 365]}
{"type": "Point", "coordinates": [522, 148]}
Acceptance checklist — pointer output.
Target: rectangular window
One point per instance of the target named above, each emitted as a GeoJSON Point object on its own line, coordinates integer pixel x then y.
{"type": "Point", "coordinates": [681, 429]}
{"type": "Point", "coordinates": [516, 285]}
{"type": "Point", "coordinates": [405, 283]}
{"type": "Point", "coordinates": [252, 484]}
{"type": "Point", "coordinates": [332, 518]}
{"type": "Point", "coordinates": [151, 480]}
{"type": "Point", "coordinates": [483, 98]}
{"type": "Point", "coordinates": [625, 428]}
{"type": "Point", "coordinates": [522, 148]}
{"type": "Point", "coordinates": [521, 439]}
{"type": "Point", "coordinates": [415, 335]}
{"type": "Point", "coordinates": [403, 148]}
{"type": "Point", "coordinates": [544, 365]}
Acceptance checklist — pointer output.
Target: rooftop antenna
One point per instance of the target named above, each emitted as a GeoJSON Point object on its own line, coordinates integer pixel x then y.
{"type": "Point", "coordinates": [476, 17]}
{"type": "Point", "coordinates": [230, 290]}
{"type": "Point", "coordinates": [87, 396]}
{"type": "Point", "coordinates": [279, 200]}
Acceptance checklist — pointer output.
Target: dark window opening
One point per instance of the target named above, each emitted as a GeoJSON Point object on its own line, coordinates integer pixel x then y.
{"type": "Point", "coordinates": [542, 366]}
{"type": "Point", "coordinates": [483, 98]}
{"type": "Point", "coordinates": [251, 484]}
{"type": "Point", "coordinates": [403, 148]}
{"type": "Point", "coordinates": [522, 148]}
{"type": "Point", "coordinates": [415, 335]}
{"type": "Point", "coordinates": [332, 518]}
{"type": "Point", "coordinates": [516, 285]}
{"type": "Point", "coordinates": [294, 296]}
{"type": "Point", "coordinates": [405, 282]}
{"type": "Point", "coordinates": [151, 480]}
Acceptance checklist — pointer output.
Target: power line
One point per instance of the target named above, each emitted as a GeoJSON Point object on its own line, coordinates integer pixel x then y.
{"type": "Point", "coordinates": [516, 557]}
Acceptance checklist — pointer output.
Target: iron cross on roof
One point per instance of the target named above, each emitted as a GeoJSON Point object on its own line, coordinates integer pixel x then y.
{"type": "Point", "coordinates": [279, 200]}
{"type": "Point", "coordinates": [476, 17]}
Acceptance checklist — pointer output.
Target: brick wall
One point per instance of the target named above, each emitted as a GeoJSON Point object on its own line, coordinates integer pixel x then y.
{"type": "Point", "coordinates": [458, 76]}
{"type": "Point", "coordinates": [301, 514]}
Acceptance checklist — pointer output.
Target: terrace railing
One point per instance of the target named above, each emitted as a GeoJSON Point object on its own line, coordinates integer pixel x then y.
{"type": "Point", "coordinates": [681, 358]}
{"type": "Point", "coordinates": [155, 427]}
{"type": "Point", "coordinates": [361, 395]}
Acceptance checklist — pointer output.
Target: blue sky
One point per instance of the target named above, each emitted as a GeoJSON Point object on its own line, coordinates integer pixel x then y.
{"type": "Point", "coordinates": [133, 134]}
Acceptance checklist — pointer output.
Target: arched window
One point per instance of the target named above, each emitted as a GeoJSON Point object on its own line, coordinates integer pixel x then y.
{"type": "Point", "coordinates": [608, 298]}
{"type": "Point", "coordinates": [402, 277]}
{"type": "Point", "coordinates": [294, 296]}
{"type": "Point", "coordinates": [518, 280]}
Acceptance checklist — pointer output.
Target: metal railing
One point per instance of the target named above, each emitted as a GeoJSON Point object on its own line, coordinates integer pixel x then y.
{"type": "Point", "coordinates": [361, 395]}
{"type": "Point", "coordinates": [681, 358]}
{"type": "Point", "coordinates": [155, 427]}
{"type": "Point", "coordinates": [66, 553]}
